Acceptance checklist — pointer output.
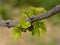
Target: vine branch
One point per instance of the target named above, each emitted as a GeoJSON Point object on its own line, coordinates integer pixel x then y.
{"type": "Point", "coordinates": [12, 23]}
{"type": "Point", "coordinates": [46, 15]}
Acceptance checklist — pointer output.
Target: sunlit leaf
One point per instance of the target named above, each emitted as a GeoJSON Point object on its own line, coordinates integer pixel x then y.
{"type": "Point", "coordinates": [26, 25]}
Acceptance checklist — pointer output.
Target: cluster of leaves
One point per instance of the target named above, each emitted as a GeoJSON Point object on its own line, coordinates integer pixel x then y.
{"type": "Point", "coordinates": [36, 27]}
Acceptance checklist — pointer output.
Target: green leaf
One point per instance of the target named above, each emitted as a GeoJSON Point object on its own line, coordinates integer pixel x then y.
{"type": "Point", "coordinates": [16, 35]}
{"type": "Point", "coordinates": [26, 25]}
{"type": "Point", "coordinates": [17, 32]}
